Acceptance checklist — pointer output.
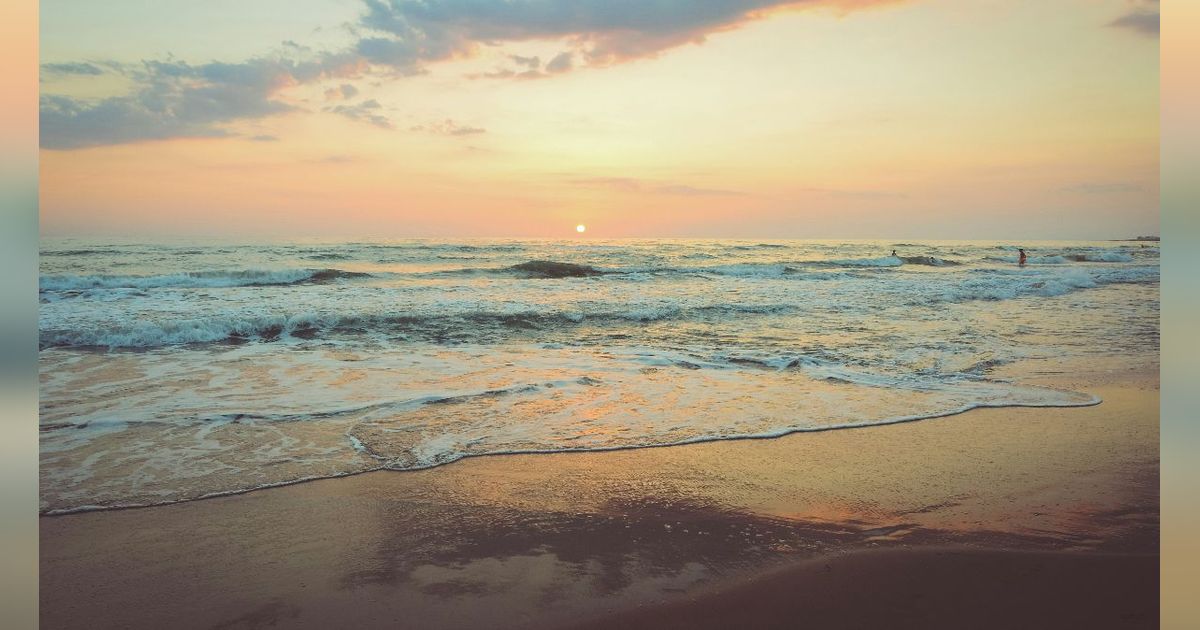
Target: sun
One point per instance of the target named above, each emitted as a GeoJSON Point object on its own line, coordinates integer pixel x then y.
{"type": "Point", "coordinates": [581, 228]}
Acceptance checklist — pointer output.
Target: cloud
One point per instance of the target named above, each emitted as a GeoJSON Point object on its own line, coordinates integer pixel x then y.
{"type": "Point", "coordinates": [640, 186]}
{"type": "Point", "coordinates": [533, 63]}
{"type": "Point", "coordinates": [173, 99]}
{"type": "Point", "coordinates": [72, 68]}
{"type": "Point", "coordinates": [449, 128]}
{"type": "Point", "coordinates": [561, 63]}
{"type": "Point", "coordinates": [366, 111]}
{"type": "Point", "coordinates": [1142, 19]}
{"type": "Point", "coordinates": [410, 33]}
{"type": "Point", "coordinates": [67, 123]}
{"type": "Point", "coordinates": [264, 138]}
{"type": "Point", "coordinates": [342, 92]}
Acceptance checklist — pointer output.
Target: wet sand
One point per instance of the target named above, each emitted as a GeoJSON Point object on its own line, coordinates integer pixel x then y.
{"type": "Point", "coordinates": [1027, 517]}
{"type": "Point", "coordinates": [926, 588]}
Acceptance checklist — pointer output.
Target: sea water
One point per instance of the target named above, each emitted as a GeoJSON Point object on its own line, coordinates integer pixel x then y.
{"type": "Point", "coordinates": [173, 371]}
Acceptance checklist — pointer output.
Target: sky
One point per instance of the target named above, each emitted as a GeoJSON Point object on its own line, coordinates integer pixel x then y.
{"type": "Point", "coordinates": [1016, 119]}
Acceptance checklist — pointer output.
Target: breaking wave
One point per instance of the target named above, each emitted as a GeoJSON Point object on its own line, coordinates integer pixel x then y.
{"type": "Point", "coordinates": [551, 269]}
{"type": "Point", "coordinates": [1113, 257]}
{"type": "Point", "coordinates": [929, 261]}
{"type": "Point", "coordinates": [1031, 260]}
{"type": "Point", "coordinates": [487, 326]}
{"type": "Point", "coordinates": [479, 326]}
{"type": "Point", "coordinates": [199, 279]}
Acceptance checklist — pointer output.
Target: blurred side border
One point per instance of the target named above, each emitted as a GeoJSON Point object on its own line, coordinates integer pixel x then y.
{"type": "Point", "coordinates": [18, 313]}
{"type": "Point", "coordinates": [1179, 134]}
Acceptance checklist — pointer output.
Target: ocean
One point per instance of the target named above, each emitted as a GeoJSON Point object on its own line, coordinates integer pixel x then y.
{"type": "Point", "coordinates": [174, 371]}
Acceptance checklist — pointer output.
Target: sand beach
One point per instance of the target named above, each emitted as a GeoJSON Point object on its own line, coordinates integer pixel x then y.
{"type": "Point", "coordinates": [993, 518]}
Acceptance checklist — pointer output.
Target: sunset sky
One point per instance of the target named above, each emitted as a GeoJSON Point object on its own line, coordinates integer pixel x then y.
{"type": "Point", "coordinates": [1019, 119]}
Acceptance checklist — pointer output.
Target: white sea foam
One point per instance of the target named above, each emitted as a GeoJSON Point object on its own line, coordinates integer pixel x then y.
{"type": "Point", "coordinates": [617, 399]}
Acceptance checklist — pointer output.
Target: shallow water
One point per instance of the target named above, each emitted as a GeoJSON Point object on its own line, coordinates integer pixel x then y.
{"type": "Point", "coordinates": [174, 371]}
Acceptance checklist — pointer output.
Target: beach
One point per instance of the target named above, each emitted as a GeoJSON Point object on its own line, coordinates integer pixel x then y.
{"type": "Point", "coordinates": [1029, 517]}
{"type": "Point", "coordinates": [518, 314]}
{"type": "Point", "coordinates": [541, 433]}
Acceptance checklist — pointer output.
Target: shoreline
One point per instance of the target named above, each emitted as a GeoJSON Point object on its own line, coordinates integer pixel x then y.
{"type": "Point", "coordinates": [553, 540]}
{"type": "Point", "coordinates": [84, 509]}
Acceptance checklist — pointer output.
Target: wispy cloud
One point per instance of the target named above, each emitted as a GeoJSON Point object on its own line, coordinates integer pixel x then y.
{"type": "Point", "coordinates": [72, 68]}
{"type": "Point", "coordinates": [449, 128]}
{"type": "Point", "coordinates": [1142, 19]}
{"type": "Point", "coordinates": [641, 186]}
{"type": "Point", "coordinates": [367, 111]}
{"type": "Point", "coordinates": [531, 68]}
{"type": "Point", "coordinates": [340, 93]}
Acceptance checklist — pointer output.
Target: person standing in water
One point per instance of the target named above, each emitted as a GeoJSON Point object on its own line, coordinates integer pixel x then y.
{"type": "Point", "coordinates": [894, 254]}
{"type": "Point", "coordinates": [1022, 258]}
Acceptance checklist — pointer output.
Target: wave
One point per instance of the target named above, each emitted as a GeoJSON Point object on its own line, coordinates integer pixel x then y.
{"type": "Point", "coordinates": [1051, 399]}
{"type": "Point", "coordinates": [1054, 259]}
{"type": "Point", "coordinates": [198, 279]}
{"type": "Point", "coordinates": [488, 325]}
{"type": "Point", "coordinates": [77, 252]}
{"type": "Point", "coordinates": [929, 261]}
{"type": "Point", "coordinates": [1113, 257]}
{"type": "Point", "coordinates": [1062, 259]}
{"type": "Point", "coordinates": [552, 269]}
{"type": "Point", "coordinates": [437, 247]}
{"type": "Point", "coordinates": [1006, 285]}
{"type": "Point", "coordinates": [887, 261]}
{"type": "Point", "coordinates": [183, 332]}
{"type": "Point", "coordinates": [481, 326]}
{"type": "Point", "coordinates": [745, 270]}
{"type": "Point", "coordinates": [546, 269]}
{"type": "Point", "coordinates": [759, 246]}
{"type": "Point", "coordinates": [491, 326]}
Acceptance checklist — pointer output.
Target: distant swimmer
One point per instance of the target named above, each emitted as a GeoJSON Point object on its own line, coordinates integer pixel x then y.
{"type": "Point", "coordinates": [1023, 257]}
{"type": "Point", "coordinates": [894, 254]}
